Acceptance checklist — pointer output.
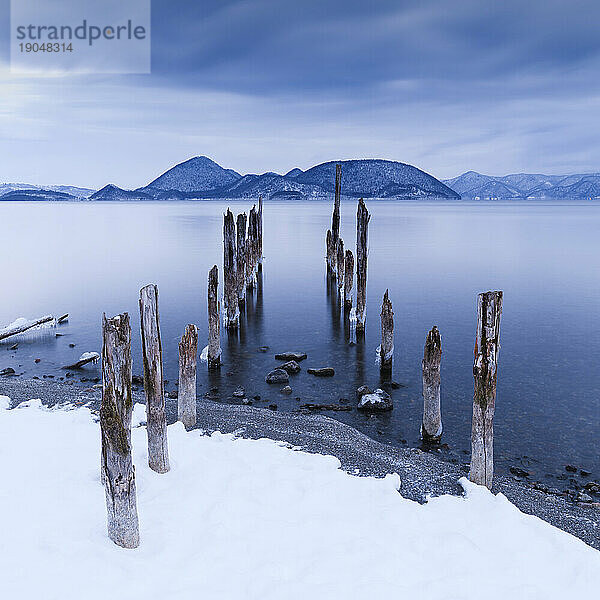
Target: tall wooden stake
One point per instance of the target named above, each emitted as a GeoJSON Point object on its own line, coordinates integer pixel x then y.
{"type": "Point", "coordinates": [214, 339]}
{"type": "Point", "coordinates": [485, 365]}
{"type": "Point", "coordinates": [330, 253]}
{"type": "Point", "coordinates": [431, 430]}
{"type": "Point", "coordinates": [348, 279]}
{"type": "Point", "coordinates": [340, 266]}
{"type": "Point", "coordinates": [158, 450]}
{"type": "Point", "coordinates": [335, 219]}
{"type": "Point", "coordinates": [230, 295]}
{"type": "Point", "coordinates": [186, 396]}
{"type": "Point", "coordinates": [118, 472]}
{"type": "Point", "coordinates": [387, 334]}
{"type": "Point", "coordinates": [241, 258]}
{"type": "Point", "coordinates": [252, 244]}
{"type": "Point", "coordinates": [260, 233]}
{"type": "Point", "coordinates": [362, 238]}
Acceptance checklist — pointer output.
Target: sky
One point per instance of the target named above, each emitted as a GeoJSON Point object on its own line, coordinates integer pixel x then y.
{"type": "Point", "coordinates": [268, 85]}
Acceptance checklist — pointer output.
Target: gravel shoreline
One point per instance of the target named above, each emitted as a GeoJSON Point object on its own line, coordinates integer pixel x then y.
{"type": "Point", "coordinates": [422, 473]}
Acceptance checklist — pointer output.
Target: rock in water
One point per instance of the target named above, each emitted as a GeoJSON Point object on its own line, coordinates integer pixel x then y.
{"type": "Point", "coordinates": [297, 356]}
{"type": "Point", "coordinates": [324, 372]}
{"type": "Point", "coordinates": [277, 376]}
{"type": "Point", "coordinates": [292, 367]}
{"type": "Point", "coordinates": [362, 390]}
{"type": "Point", "coordinates": [239, 392]}
{"type": "Point", "coordinates": [378, 401]}
{"type": "Point", "coordinates": [286, 390]}
{"type": "Point", "coordinates": [7, 371]}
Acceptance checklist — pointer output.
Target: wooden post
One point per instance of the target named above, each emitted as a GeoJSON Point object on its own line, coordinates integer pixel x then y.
{"type": "Point", "coordinates": [330, 252]}
{"type": "Point", "coordinates": [252, 245]}
{"type": "Point", "coordinates": [487, 345]}
{"type": "Point", "coordinates": [348, 279]}
{"type": "Point", "coordinates": [214, 339]}
{"type": "Point", "coordinates": [241, 258]}
{"type": "Point", "coordinates": [260, 233]}
{"type": "Point", "coordinates": [230, 295]}
{"type": "Point", "coordinates": [335, 219]}
{"type": "Point", "coordinates": [158, 450]}
{"type": "Point", "coordinates": [340, 267]}
{"type": "Point", "coordinates": [362, 238]}
{"type": "Point", "coordinates": [431, 429]}
{"type": "Point", "coordinates": [386, 351]}
{"type": "Point", "coordinates": [186, 396]}
{"type": "Point", "coordinates": [118, 472]}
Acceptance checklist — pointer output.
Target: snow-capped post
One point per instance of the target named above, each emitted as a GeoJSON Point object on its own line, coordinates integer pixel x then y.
{"type": "Point", "coordinates": [386, 350]}
{"type": "Point", "coordinates": [362, 238]}
{"type": "Point", "coordinates": [230, 295]}
{"type": "Point", "coordinates": [214, 340]}
{"type": "Point", "coordinates": [340, 266]}
{"type": "Point", "coordinates": [186, 392]}
{"type": "Point", "coordinates": [241, 256]}
{"type": "Point", "coordinates": [158, 450]}
{"type": "Point", "coordinates": [118, 472]}
{"type": "Point", "coordinates": [485, 365]}
{"type": "Point", "coordinates": [431, 429]}
{"type": "Point", "coordinates": [348, 279]}
{"type": "Point", "coordinates": [260, 233]}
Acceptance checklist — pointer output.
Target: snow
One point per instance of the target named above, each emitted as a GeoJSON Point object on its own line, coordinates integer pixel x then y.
{"type": "Point", "coordinates": [89, 355]}
{"type": "Point", "coordinates": [255, 519]}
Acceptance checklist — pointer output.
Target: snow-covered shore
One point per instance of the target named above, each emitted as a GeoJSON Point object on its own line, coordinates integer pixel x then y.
{"type": "Point", "coordinates": [242, 518]}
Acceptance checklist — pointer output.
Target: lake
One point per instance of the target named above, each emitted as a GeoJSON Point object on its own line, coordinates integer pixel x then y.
{"type": "Point", "coordinates": [434, 256]}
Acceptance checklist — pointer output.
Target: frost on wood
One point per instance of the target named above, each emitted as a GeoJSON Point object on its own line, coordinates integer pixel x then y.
{"type": "Point", "coordinates": [431, 429]}
{"type": "Point", "coordinates": [387, 334]}
{"type": "Point", "coordinates": [252, 248]}
{"type": "Point", "coordinates": [340, 266]}
{"type": "Point", "coordinates": [260, 232]}
{"type": "Point", "coordinates": [362, 239]}
{"type": "Point", "coordinates": [158, 451]}
{"type": "Point", "coordinates": [214, 341]}
{"type": "Point", "coordinates": [487, 345]}
{"type": "Point", "coordinates": [84, 359]}
{"type": "Point", "coordinates": [241, 256]}
{"type": "Point", "coordinates": [230, 296]}
{"type": "Point", "coordinates": [348, 279]}
{"type": "Point", "coordinates": [21, 325]}
{"type": "Point", "coordinates": [186, 397]}
{"type": "Point", "coordinates": [118, 472]}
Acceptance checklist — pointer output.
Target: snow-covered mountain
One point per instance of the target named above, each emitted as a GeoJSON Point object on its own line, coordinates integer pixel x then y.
{"type": "Point", "coordinates": [27, 191]}
{"type": "Point", "coordinates": [472, 185]}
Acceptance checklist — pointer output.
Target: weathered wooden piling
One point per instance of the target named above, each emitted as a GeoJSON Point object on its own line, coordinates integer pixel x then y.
{"type": "Point", "coordinates": [485, 365]}
{"type": "Point", "coordinates": [362, 239]}
{"type": "Point", "coordinates": [241, 257]}
{"type": "Point", "coordinates": [431, 429]}
{"type": "Point", "coordinates": [260, 233]}
{"type": "Point", "coordinates": [386, 350]}
{"type": "Point", "coordinates": [348, 279]}
{"type": "Point", "coordinates": [118, 472]}
{"type": "Point", "coordinates": [252, 245]}
{"type": "Point", "coordinates": [340, 266]}
{"type": "Point", "coordinates": [186, 392]}
{"type": "Point", "coordinates": [214, 338]}
{"type": "Point", "coordinates": [230, 296]}
{"type": "Point", "coordinates": [330, 253]}
{"type": "Point", "coordinates": [158, 450]}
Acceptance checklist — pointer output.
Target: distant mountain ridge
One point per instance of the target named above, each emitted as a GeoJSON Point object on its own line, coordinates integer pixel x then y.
{"type": "Point", "coordinates": [200, 177]}
{"type": "Point", "coordinates": [520, 186]}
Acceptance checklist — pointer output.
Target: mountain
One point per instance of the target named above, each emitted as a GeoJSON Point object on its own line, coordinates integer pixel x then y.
{"type": "Point", "coordinates": [111, 192]}
{"type": "Point", "coordinates": [201, 177]}
{"type": "Point", "coordinates": [374, 178]}
{"type": "Point", "coordinates": [35, 195]}
{"type": "Point", "coordinates": [32, 192]}
{"type": "Point", "coordinates": [519, 186]}
{"type": "Point", "coordinates": [196, 174]}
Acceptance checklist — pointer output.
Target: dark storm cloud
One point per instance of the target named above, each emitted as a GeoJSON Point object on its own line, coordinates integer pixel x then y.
{"type": "Point", "coordinates": [268, 47]}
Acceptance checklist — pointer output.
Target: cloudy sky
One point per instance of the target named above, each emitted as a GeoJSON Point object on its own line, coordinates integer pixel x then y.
{"type": "Point", "coordinates": [260, 85]}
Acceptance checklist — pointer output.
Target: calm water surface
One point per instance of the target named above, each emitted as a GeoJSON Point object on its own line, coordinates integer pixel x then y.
{"type": "Point", "coordinates": [434, 257]}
